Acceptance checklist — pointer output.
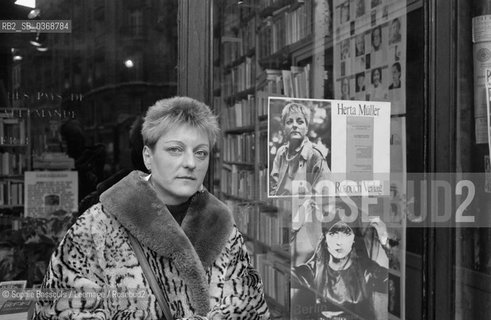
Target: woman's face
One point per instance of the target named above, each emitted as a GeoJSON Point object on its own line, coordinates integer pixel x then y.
{"type": "Point", "coordinates": [178, 163]}
{"type": "Point", "coordinates": [376, 77]}
{"type": "Point", "coordinates": [377, 38]}
{"type": "Point", "coordinates": [361, 81]}
{"type": "Point", "coordinates": [295, 126]}
{"type": "Point", "coordinates": [340, 243]}
{"type": "Point", "coordinates": [360, 43]}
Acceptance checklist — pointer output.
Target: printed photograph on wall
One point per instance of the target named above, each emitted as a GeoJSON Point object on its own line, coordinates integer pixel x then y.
{"type": "Point", "coordinates": [361, 158]}
{"type": "Point", "coordinates": [340, 268]}
{"type": "Point", "coordinates": [374, 47]}
{"type": "Point", "coordinates": [304, 160]}
{"type": "Point", "coordinates": [299, 136]}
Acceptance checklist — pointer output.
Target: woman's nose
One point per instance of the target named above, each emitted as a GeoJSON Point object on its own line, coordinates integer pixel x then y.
{"type": "Point", "coordinates": [189, 161]}
{"type": "Point", "coordinates": [338, 239]}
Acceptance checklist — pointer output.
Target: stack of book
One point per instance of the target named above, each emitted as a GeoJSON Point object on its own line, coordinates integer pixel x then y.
{"type": "Point", "coordinates": [53, 161]}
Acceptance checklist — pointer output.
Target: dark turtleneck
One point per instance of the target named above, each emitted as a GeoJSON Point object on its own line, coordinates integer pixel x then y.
{"type": "Point", "coordinates": [179, 211]}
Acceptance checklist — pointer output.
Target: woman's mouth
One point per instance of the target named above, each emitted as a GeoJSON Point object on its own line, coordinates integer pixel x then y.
{"type": "Point", "coordinates": [187, 178]}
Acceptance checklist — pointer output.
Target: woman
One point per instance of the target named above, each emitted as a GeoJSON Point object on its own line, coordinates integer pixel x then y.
{"type": "Point", "coordinates": [376, 37]}
{"type": "Point", "coordinates": [340, 279]}
{"type": "Point", "coordinates": [377, 92]}
{"type": "Point", "coordinates": [396, 76]}
{"type": "Point", "coordinates": [360, 82]}
{"type": "Point", "coordinates": [360, 45]}
{"type": "Point", "coordinates": [187, 235]}
{"type": "Point", "coordinates": [298, 159]}
{"type": "Point", "coordinates": [395, 31]}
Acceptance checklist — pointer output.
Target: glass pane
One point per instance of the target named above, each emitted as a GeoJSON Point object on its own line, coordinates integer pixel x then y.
{"type": "Point", "coordinates": [69, 95]}
{"type": "Point", "coordinates": [473, 245]}
{"type": "Point", "coordinates": [309, 51]}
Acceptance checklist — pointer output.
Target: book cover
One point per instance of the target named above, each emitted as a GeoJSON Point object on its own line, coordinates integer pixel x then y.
{"type": "Point", "coordinates": [17, 310]}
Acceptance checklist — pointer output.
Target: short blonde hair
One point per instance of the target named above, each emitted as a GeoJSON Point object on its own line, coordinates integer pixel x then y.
{"type": "Point", "coordinates": [295, 107]}
{"type": "Point", "coordinates": [167, 114]}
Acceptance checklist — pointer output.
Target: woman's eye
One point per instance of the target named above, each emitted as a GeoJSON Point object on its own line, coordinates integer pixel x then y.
{"type": "Point", "coordinates": [174, 150]}
{"type": "Point", "coordinates": [202, 154]}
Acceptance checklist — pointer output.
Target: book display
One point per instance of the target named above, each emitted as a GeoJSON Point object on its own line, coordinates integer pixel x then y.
{"type": "Point", "coordinates": [268, 54]}
{"type": "Point", "coordinates": [15, 158]}
{"type": "Point", "coordinates": [27, 239]}
{"type": "Point", "coordinates": [244, 77]}
{"type": "Point", "coordinates": [258, 46]}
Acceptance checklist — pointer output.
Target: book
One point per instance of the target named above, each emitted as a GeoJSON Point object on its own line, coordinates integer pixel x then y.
{"type": "Point", "coordinates": [53, 160]}
{"type": "Point", "coordinates": [14, 284]}
{"type": "Point", "coordinates": [17, 310]}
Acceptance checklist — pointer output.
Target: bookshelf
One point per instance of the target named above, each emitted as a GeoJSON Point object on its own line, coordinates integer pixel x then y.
{"type": "Point", "coordinates": [261, 49]}
{"type": "Point", "coordinates": [15, 159]}
{"type": "Point", "coordinates": [26, 242]}
{"type": "Point", "coordinates": [15, 153]}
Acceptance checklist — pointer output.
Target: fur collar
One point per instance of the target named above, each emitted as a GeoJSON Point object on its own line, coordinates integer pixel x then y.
{"type": "Point", "coordinates": [193, 247]}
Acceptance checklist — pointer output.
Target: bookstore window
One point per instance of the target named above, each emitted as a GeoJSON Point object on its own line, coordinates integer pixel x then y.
{"type": "Point", "coordinates": [268, 54]}
{"type": "Point", "coordinates": [471, 247]}
{"type": "Point", "coordinates": [67, 103]}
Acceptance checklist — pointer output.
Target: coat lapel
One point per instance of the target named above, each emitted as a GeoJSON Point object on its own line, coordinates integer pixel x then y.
{"type": "Point", "coordinates": [193, 248]}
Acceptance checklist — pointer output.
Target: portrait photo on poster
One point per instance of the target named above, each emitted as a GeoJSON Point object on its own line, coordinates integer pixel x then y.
{"type": "Point", "coordinates": [339, 266]}
{"type": "Point", "coordinates": [377, 48]}
{"type": "Point", "coordinates": [360, 45]}
{"type": "Point", "coordinates": [299, 138]}
{"type": "Point", "coordinates": [395, 31]}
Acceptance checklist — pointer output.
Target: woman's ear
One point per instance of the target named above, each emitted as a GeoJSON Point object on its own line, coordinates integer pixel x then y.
{"type": "Point", "coordinates": [147, 158]}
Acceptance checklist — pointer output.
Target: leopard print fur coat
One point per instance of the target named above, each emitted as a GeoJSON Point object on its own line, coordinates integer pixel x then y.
{"type": "Point", "coordinates": [202, 265]}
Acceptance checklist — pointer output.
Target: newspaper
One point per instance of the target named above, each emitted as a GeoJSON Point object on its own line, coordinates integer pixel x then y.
{"type": "Point", "coordinates": [50, 191]}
